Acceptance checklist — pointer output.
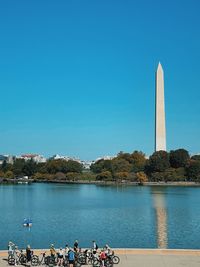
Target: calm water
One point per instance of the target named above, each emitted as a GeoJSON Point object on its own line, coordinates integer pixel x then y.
{"type": "Point", "coordinates": [124, 216]}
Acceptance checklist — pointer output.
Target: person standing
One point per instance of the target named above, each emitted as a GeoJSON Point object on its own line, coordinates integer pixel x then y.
{"type": "Point", "coordinates": [28, 254]}
{"type": "Point", "coordinates": [60, 257]}
{"type": "Point", "coordinates": [66, 250]}
{"type": "Point", "coordinates": [94, 247]}
{"type": "Point", "coordinates": [11, 248]}
{"type": "Point", "coordinates": [103, 257]}
{"type": "Point", "coordinates": [71, 257]}
{"type": "Point", "coordinates": [76, 246]}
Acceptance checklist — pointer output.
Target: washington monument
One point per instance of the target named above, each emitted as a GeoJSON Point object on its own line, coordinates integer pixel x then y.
{"type": "Point", "coordinates": [160, 131]}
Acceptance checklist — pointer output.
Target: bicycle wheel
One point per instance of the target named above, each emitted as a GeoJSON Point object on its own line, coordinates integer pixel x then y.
{"type": "Point", "coordinates": [108, 262]}
{"type": "Point", "coordinates": [96, 263]}
{"type": "Point", "coordinates": [90, 260]}
{"type": "Point", "coordinates": [46, 260]}
{"type": "Point", "coordinates": [65, 262]}
{"type": "Point", "coordinates": [81, 259]}
{"type": "Point", "coordinates": [116, 259]}
{"type": "Point", "coordinates": [22, 259]}
{"type": "Point", "coordinates": [77, 264]}
{"type": "Point", "coordinates": [35, 260]}
{"type": "Point", "coordinates": [52, 261]}
{"type": "Point", "coordinates": [11, 260]}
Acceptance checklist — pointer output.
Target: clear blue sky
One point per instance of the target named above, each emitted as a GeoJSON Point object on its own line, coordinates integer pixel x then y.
{"type": "Point", "coordinates": [77, 76]}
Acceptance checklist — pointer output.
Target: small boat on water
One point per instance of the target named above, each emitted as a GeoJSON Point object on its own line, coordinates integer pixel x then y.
{"type": "Point", "coordinates": [27, 222]}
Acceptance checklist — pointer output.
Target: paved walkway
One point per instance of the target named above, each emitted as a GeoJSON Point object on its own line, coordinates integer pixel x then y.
{"type": "Point", "coordinates": [149, 258]}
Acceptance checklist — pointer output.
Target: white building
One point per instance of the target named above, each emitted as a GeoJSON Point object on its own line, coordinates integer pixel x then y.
{"type": "Point", "coordinates": [35, 157]}
{"type": "Point", "coordinates": [9, 159]}
{"type": "Point", "coordinates": [105, 158]}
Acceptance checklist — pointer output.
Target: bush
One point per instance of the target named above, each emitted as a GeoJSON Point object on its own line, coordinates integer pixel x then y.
{"type": "Point", "coordinates": [121, 175]}
{"type": "Point", "coordinates": [9, 174]}
{"type": "Point", "coordinates": [141, 178]}
{"type": "Point", "coordinates": [107, 176]}
{"type": "Point", "coordinates": [60, 176]}
{"type": "Point", "coordinates": [72, 176]}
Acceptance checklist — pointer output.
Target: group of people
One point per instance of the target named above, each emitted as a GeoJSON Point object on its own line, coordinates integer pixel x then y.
{"type": "Point", "coordinates": [69, 252]}
{"type": "Point", "coordinates": [13, 250]}
{"type": "Point", "coordinates": [62, 254]}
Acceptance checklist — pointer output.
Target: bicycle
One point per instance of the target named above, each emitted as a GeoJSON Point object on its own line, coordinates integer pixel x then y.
{"type": "Point", "coordinates": [115, 259]}
{"type": "Point", "coordinates": [99, 263]}
{"type": "Point", "coordinates": [36, 261]}
{"type": "Point", "coordinates": [17, 258]}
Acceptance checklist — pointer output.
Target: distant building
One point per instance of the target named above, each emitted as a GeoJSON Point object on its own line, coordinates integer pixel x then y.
{"type": "Point", "coordinates": [2, 159]}
{"type": "Point", "coordinates": [67, 158]}
{"type": "Point", "coordinates": [9, 159]}
{"type": "Point", "coordinates": [105, 158]}
{"type": "Point", "coordinates": [35, 157]}
{"type": "Point", "coordinates": [86, 164]}
{"type": "Point", "coordinates": [57, 156]}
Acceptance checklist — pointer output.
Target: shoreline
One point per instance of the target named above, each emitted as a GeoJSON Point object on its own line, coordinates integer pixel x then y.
{"type": "Point", "coordinates": [132, 251]}
{"type": "Point", "coordinates": [94, 182]}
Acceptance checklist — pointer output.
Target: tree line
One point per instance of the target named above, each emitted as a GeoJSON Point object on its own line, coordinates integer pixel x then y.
{"type": "Point", "coordinates": [52, 169]}
{"type": "Point", "coordinates": [173, 166]}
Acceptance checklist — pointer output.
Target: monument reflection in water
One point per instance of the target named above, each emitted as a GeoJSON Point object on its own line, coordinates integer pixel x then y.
{"type": "Point", "coordinates": [161, 217]}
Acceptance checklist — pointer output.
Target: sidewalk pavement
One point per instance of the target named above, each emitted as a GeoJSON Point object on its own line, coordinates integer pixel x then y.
{"type": "Point", "coordinates": [148, 258]}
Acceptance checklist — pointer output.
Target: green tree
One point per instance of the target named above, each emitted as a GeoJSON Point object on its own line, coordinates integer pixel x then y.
{"type": "Point", "coordinates": [121, 175]}
{"type": "Point", "coordinates": [71, 176]}
{"type": "Point", "coordinates": [9, 174]}
{"type": "Point", "coordinates": [2, 174]}
{"type": "Point", "coordinates": [101, 165]}
{"type": "Point", "coordinates": [178, 158]}
{"type": "Point", "coordinates": [157, 177]}
{"type": "Point", "coordinates": [18, 166]}
{"type": "Point", "coordinates": [125, 156]}
{"type": "Point", "coordinates": [41, 167]}
{"type": "Point", "coordinates": [60, 176]}
{"type": "Point", "coordinates": [104, 176]}
{"type": "Point", "coordinates": [138, 161]}
{"type": "Point", "coordinates": [141, 178]}
{"type": "Point", "coordinates": [73, 166]}
{"type": "Point", "coordinates": [121, 165]}
{"type": "Point", "coordinates": [29, 168]}
{"type": "Point", "coordinates": [6, 166]}
{"type": "Point", "coordinates": [196, 157]}
{"type": "Point", "coordinates": [60, 165]}
{"type": "Point", "coordinates": [193, 170]}
{"type": "Point", "coordinates": [158, 162]}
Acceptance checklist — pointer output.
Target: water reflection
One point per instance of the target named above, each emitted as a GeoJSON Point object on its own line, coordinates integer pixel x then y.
{"type": "Point", "coordinates": [161, 217]}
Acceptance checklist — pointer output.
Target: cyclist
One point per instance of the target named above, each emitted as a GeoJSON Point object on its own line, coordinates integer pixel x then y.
{"type": "Point", "coordinates": [52, 251]}
{"type": "Point", "coordinates": [66, 250]}
{"type": "Point", "coordinates": [102, 257]}
{"type": "Point", "coordinates": [108, 250]}
{"type": "Point", "coordinates": [76, 246]}
{"type": "Point", "coordinates": [11, 248]}
{"type": "Point", "coordinates": [60, 257]}
{"type": "Point", "coordinates": [28, 253]}
{"type": "Point", "coordinates": [94, 247]}
{"type": "Point", "coordinates": [71, 257]}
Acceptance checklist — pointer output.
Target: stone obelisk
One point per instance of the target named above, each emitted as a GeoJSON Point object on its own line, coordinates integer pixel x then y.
{"type": "Point", "coordinates": [160, 131]}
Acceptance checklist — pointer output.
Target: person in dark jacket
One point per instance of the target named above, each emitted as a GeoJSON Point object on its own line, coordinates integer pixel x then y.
{"type": "Point", "coordinates": [28, 253]}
